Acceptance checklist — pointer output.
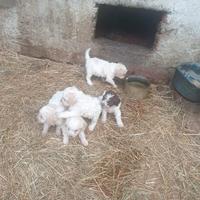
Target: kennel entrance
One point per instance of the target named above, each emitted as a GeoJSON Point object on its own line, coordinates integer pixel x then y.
{"type": "Point", "coordinates": [128, 24]}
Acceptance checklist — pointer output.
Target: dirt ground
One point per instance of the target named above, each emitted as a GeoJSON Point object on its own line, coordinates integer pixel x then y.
{"type": "Point", "coordinates": [156, 155]}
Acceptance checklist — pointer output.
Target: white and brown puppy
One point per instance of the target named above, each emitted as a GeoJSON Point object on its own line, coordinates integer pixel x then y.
{"type": "Point", "coordinates": [72, 127]}
{"type": "Point", "coordinates": [81, 104]}
{"type": "Point", "coordinates": [111, 103]}
{"type": "Point", "coordinates": [102, 68]}
{"type": "Point", "coordinates": [48, 113]}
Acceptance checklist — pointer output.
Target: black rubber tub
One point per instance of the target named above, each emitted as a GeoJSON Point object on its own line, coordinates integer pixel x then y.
{"type": "Point", "coordinates": [186, 81]}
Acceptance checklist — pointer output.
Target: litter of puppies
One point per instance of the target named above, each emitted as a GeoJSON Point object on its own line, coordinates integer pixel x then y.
{"type": "Point", "coordinates": [66, 109]}
{"type": "Point", "coordinates": [159, 135]}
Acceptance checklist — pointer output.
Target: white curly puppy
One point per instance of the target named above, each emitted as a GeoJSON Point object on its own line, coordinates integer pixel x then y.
{"type": "Point", "coordinates": [70, 95]}
{"type": "Point", "coordinates": [48, 113]}
{"type": "Point", "coordinates": [111, 103]}
{"type": "Point", "coordinates": [74, 126]}
{"type": "Point", "coordinates": [80, 104]}
{"type": "Point", "coordinates": [102, 68]}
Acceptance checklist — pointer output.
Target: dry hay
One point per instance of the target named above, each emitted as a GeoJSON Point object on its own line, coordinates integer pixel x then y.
{"type": "Point", "coordinates": [154, 157]}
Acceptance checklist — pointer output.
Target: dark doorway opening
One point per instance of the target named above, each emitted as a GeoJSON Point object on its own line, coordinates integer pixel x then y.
{"type": "Point", "coordinates": [128, 24]}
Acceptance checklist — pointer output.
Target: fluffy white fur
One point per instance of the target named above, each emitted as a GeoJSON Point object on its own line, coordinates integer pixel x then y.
{"type": "Point", "coordinates": [111, 109]}
{"type": "Point", "coordinates": [70, 96]}
{"type": "Point", "coordinates": [80, 104]}
{"type": "Point", "coordinates": [102, 68]}
{"type": "Point", "coordinates": [74, 126]}
{"type": "Point", "coordinates": [48, 113]}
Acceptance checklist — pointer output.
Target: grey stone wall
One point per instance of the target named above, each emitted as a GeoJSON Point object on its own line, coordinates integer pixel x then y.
{"type": "Point", "coordinates": [62, 29]}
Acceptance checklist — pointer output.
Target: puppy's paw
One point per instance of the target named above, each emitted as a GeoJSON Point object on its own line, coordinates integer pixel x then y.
{"type": "Point", "coordinates": [65, 141]}
{"type": "Point", "coordinates": [84, 143]}
{"type": "Point", "coordinates": [103, 121]}
{"type": "Point", "coordinates": [120, 125]}
{"type": "Point", "coordinates": [91, 127]}
{"type": "Point", "coordinates": [58, 133]}
{"type": "Point", "coordinates": [89, 83]}
{"type": "Point", "coordinates": [44, 133]}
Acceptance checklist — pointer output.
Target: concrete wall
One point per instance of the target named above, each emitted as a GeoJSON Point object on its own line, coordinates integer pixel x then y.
{"type": "Point", "coordinates": [62, 29]}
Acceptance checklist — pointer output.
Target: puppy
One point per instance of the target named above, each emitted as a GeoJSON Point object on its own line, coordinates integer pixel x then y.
{"type": "Point", "coordinates": [81, 104]}
{"type": "Point", "coordinates": [70, 96]}
{"type": "Point", "coordinates": [74, 126]}
{"type": "Point", "coordinates": [111, 103]}
{"type": "Point", "coordinates": [48, 113]}
{"type": "Point", "coordinates": [102, 68]}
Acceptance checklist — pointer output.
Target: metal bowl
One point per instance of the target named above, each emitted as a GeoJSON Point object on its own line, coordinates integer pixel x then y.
{"type": "Point", "coordinates": [136, 87]}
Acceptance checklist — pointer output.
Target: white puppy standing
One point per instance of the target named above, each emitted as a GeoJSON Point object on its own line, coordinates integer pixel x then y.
{"type": "Point", "coordinates": [48, 113]}
{"type": "Point", "coordinates": [74, 126]}
{"type": "Point", "coordinates": [102, 68]}
{"type": "Point", "coordinates": [80, 104]}
{"type": "Point", "coordinates": [111, 103]}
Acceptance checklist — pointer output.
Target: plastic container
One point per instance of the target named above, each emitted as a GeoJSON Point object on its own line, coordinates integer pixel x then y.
{"type": "Point", "coordinates": [186, 81]}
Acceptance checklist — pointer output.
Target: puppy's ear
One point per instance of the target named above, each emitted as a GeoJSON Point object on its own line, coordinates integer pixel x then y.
{"type": "Point", "coordinates": [118, 72]}
{"type": "Point", "coordinates": [72, 99]}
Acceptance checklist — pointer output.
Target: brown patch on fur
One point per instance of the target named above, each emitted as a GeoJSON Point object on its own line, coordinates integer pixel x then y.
{"type": "Point", "coordinates": [114, 100]}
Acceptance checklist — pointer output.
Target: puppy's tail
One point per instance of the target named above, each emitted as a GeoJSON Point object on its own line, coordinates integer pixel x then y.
{"type": "Point", "coordinates": [87, 56]}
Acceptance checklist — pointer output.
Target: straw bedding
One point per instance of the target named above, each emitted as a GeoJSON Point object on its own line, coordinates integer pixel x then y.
{"type": "Point", "coordinates": [156, 156]}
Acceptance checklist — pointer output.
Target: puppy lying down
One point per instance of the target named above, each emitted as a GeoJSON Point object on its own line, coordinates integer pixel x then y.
{"type": "Point", "coordinates": [104, 69]}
